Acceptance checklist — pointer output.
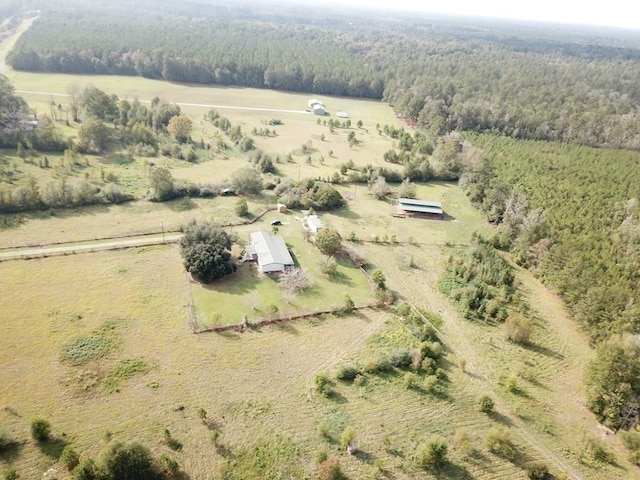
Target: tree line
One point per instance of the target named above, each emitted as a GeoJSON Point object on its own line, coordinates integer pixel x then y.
{"type": "Point", "coordinates": [561, 85]}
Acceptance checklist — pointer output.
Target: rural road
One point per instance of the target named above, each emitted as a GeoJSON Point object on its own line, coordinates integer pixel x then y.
{"type": "Point", "coordinates": [22, 253]}
{"type": "Point", "coordinates": [185, 104]}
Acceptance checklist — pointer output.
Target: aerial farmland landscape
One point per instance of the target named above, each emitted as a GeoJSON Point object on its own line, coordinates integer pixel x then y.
{"type": "Point", "coordinates": [274, 240]}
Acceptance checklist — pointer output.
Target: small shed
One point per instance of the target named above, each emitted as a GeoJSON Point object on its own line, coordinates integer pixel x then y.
{"type": "Point", "coordinates": [314, 224]}
{"type": "Point", "coordinates": [411, 207]}
{"type": "Point", "coordinates": [317, 107]}
{"type": "Point", "coordinates": [281, 208]}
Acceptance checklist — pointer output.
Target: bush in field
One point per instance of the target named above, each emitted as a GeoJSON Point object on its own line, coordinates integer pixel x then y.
{"type": "Point", "coordinates": [330, 470]}
{"type": "Point", "coordinates": [433, 453]}
{"type": "Point", "coordinates": [246, 181]}
{"type": "Point", "coordinates": [180, 127]}
{"type": "Point", "coordinates": [322, 384]}
{"type": "Point", "coordinates": [69, 458]}
{"type": "Point", "coordinates": [347, 372]}
{"type": "Point", "coordinates": [379, 279]}
{"type": "Point", "coordinates": [462, 442]}
{"type": "Point", "coordinates": [410, 380]}
{"type": "Point", "coordinates": [518, 329]}
{"type": "Point", "coordinates": [511, 385]}
{"type": "Point", "coordinates": [347, 437]}
{"type": "Point", "coordinates": [499, 442]}
{"type": "Point", "coordinates": [401, 358]}
{"type": "Point", "coordinates": [537, 471]}
{"type": "Point", "coordinates": [385, 298]}
{"type": "Point", "coordinates": [40, 428]}
{"type": "Point", "coordinates": [431, 384]}
{"type": "Point", "coordinates": [87, 469]}
{"type": "Point", "coordinates": [381, 364]}
{"type": "Point", "coordinates": [485, 403]}
{"type": "Point", "coordinates": [328, 265]}
{"type": "Point", "coordinates": [349, 305]}
{"type": "Point", "coordinates": [328, 241]}
{"type": "Point", "coordinates": [599, 452]}
{"type": "Point", "coordinates": [129, 462]}
{"type": "Point", "coordinates": [295, 280]}
{"type": "Point", "coordinates": [242, 207]}
{"type": "Point", "coordinates": [6, 441]}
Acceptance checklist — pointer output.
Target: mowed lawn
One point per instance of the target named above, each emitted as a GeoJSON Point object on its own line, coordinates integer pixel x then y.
{"type": "Point", "coordinates": [250, 293]}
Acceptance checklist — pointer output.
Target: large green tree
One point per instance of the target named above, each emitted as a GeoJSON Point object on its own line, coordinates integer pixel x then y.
{"type": "Point", "coordinates": [246, 180]}
{"type": "Point", "coordinates": [129, 462]}
{"type": "Point", "coordinates": [205, 249]}
{"type": "Point", "coordinates": [93, 136]}
{"type": "Point", "coordinates": [328, 241]}
{"type": "Point", "coordinates": [12, 107]}
{"type": "Point", "coordinates": [161, 181]}
{"type": "Point", "coordinates": [180, 127]}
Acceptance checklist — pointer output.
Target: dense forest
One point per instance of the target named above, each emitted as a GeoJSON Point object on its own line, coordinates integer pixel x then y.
{"type": "Point", "coordinates": [570, 214]}
{"type": "Point", "coordinates": [518, 80]}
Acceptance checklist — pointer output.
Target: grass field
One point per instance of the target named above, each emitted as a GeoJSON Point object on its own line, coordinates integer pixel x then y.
{"type": "Point", "coordinates": [100, 343]}
{"type": "Point", "coordinates": [259, 384]}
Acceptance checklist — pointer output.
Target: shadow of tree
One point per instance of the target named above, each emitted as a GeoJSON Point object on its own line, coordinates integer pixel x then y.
{"type": "Point", "coordinates": [52, 447]}
{"type": "Point", "coordinates": [501, 419]}
{"type": "Point", "coordinates": [454, 471]}
{"type": "Point", "coordinates": [11, 452]}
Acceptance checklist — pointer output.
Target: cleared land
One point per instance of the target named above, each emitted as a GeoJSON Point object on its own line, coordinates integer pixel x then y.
{"type": "Point", "coordinates": [260, 384]}
{"type": "Point", "coordinates": [147, 372]}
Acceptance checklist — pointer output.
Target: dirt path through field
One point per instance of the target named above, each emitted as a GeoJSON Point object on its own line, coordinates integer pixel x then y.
{"type": "Point", "coordinates": [186, 104]}
{"type": "Point", "coordinates": [90, 247]}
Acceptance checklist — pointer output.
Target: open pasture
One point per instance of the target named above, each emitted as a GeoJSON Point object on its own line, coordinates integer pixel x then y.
{"type": "Point", "coordinates": [144, 371]}
{"type": "Point", "coordinates": [259, 384]}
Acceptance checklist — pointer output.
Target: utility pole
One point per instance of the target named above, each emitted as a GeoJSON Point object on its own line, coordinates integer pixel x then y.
{"type": "Point", "coordinates": [162, 227]}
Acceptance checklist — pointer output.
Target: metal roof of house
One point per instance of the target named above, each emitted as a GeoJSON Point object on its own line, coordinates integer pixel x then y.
{"type": "Point", "coordinates": [423, 206]}
{"type": "Point", "coordinates": [270, 249]}
{"type": "Point", "coordinates": [315, 222]}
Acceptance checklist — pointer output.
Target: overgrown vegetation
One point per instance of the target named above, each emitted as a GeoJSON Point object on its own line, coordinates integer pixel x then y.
{"type": "Point", "coordinates": [124, 370]}
{"type": "Point", "coordinates": [93, 346]}
{"type": "Point", "coordinates": [581, 238]}
{"type": "Point", "coordinates": [411, 347]}
{"type": "Point", "coordinates": [482, 283]}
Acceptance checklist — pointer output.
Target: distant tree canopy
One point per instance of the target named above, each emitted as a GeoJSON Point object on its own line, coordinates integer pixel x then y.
{"type": "Point", "coordinates": [205, 249]}
{"type": "Point", "coordinates": [574, 85]}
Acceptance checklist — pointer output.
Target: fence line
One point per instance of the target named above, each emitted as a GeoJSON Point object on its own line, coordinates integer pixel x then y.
{"type": "Point", "coordinates": [239, 327]}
